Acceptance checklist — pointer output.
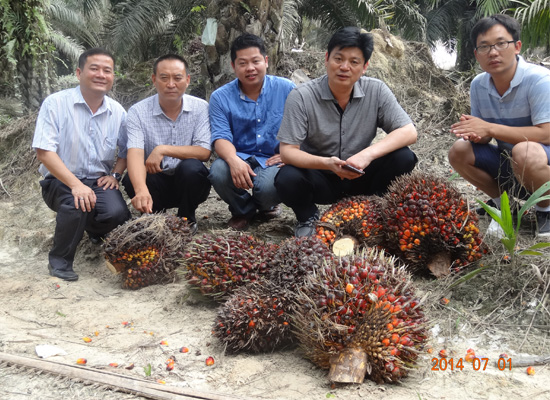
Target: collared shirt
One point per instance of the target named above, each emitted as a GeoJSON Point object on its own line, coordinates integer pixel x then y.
{"type": "Point", "coordinates": [85, 142]}
{"type": "Point", "coordinates": [250, 125]}
{"type": "Point", "coordinates": [525, 103]}
{"type": "Point", "coordinates": [312, 120]}
{"type": "Point", "coordinates": [149, 127]}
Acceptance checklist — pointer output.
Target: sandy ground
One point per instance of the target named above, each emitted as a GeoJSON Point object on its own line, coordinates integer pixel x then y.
{"type": "Point", "coordinates": [127, 327]}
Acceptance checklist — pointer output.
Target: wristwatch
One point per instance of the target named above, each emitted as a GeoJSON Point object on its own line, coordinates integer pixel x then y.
{"type": "Point", "coordinates": [116, 175]}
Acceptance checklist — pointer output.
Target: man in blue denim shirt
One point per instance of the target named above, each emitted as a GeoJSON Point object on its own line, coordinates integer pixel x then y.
{"type": "Point", "coordinates": [245, 116]}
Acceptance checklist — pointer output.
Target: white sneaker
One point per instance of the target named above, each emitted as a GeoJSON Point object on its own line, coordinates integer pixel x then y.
{"type": "Point", "coordinates": [495, 230]}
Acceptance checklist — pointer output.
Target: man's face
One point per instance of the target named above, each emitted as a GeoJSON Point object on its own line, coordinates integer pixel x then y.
{"type": "Point", "coordinates": [345, 67]}
{"type": "Point", "coordinates": [250, 67]}
{"type": "Point", "coordinates": [171, 80]}
{"type": "Point", "coordinates": [497, 62]}
{"type": "Point", "coordinates": [97, 76]}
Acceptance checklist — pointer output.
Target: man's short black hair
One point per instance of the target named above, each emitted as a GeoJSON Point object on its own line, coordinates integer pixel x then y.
{"type": "Point", "coordinates": [484, 24]}
{"type": "Point", "coordinates": [245, 41]}
{"type": "Point", "coordinates": [170, 56]}
{"type": "Point", "coordinates": [352, 36]}
{"type": "Point", "coordinates": [93, 52]}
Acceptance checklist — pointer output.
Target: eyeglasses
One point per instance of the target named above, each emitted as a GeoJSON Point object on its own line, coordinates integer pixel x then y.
{"type": "Point", "coordinates": [485, 48]}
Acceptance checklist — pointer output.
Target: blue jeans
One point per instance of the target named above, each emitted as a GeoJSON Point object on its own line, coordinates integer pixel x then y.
{"type": "Point", "coordinates": [241, 202]}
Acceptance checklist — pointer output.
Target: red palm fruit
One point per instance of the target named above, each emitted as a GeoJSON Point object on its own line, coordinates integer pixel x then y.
{"type": "Point", "coordinates": [355, 220]}
{"type": "Point", "coordinates": [147, 250]}
{"type": "Point", "coordinates": [255, 318]}
{"type": "Point", "coordinates": [220, 262]}
{"type": "Point", "coordinates": [323, 328]}
{"type": "Point", "coordinates": [430, 225]}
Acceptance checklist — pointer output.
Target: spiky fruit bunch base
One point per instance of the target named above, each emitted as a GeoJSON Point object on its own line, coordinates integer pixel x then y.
{"type": "Point", "coordinates": [294, 259]}
{"type": "Point", "coordinates": [429, 224]}
{"type": "Point", "coordinates": [255, 318]}
{"type": "Point", "coordinates": [146, 250]}
{"type": "Point", "coordinates": [357, 217]}
{"type": "Point", "coordinates": [362, 305]}
{"type": "Point", "coordinates": [218, 263]}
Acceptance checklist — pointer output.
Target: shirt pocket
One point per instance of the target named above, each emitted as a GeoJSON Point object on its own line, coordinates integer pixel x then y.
{"type": "Point", "coordinates": [108, 149]}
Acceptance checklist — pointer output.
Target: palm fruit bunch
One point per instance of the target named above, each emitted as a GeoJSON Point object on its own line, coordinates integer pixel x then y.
{"type": "Point", "coordinates": [359, 317]}
{"type": "Point", "coordinates": [294, 259]}
{"type": "Point", "coordinates": [255, 318]}
{"type": "Point", "coordinates": [430, 225]}
{"type": "Point", "coordinates": [218, 263]}
{"type": "Point", "coordinates": [350, 222]}
{"type": "Point", "coordinates": [146, 250]}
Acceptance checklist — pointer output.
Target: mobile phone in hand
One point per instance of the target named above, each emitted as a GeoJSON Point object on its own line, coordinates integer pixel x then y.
{"type": "Point", "coordinates": [353, 169]}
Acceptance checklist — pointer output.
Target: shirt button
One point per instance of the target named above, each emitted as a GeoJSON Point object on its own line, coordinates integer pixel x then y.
{"type": "Point", "coordinates": [259, 135]}
{"type": "Point", "coordinates": [258, 119]}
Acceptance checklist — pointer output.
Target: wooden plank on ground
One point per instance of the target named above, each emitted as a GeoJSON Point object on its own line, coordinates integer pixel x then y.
{"type": "Point", "coordinates": [137, 386]}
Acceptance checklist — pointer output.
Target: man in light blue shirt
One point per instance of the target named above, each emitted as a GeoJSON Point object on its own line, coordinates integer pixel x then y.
{"type": "Point", "coordinates": [76, 138]}
{"type": "Point", "coordinates": [510, 102]}
{"type": "Point", "coordinates": [168, 141]}
{"type": "Point", "coordinates": [245, 115]}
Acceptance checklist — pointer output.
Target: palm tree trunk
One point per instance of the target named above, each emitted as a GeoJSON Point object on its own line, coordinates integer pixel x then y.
{"type": "Point", "coordinates": [260, 17]}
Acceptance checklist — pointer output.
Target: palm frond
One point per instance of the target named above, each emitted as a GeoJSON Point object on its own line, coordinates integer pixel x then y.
{"type": "Point", "coordinates": [534, 16]}
{"type": "Point", "coordinates": [491, 7]}
{"type": "Point", "coordinates": [409, 21]}
{"type": "Point", "coordinates": [66, 45]}
{"type": "Point", "coordinates": [71, 23]}
{"type": "Point", "coordinates": [134, 22]}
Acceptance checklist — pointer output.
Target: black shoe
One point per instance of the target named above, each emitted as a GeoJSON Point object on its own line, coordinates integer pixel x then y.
{"type": "Point", "coordinates": [193, 228]}
{"type": "Point", "coordinates": [307, 228]}
{"type": "Point", "coordinates": [481, 211]}
{"type": "Point", "coordinates": [96, 239]}
{"type": "Point", "coordinates": [66, 275]}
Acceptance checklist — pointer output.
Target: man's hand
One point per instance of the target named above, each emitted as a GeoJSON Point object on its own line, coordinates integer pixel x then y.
{"type": "Point", "coordinates": [107, 182]}
{"type": "Point", "coordinates": [153, 162]}
{"type": "Point", "coordinates": [472, 128]}
{"type": "Point", "coordinates": [274, 160]}
{"type": "Point", "coordinates": [241, 174]}
{"type": "Point", "coordinates": [84, 197]}
{"type": "Point", "coordinates": [143, 202]}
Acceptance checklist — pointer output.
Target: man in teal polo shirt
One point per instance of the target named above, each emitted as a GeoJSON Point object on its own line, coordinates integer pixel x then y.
{"type": "Point", "coordinates": [510, 102]}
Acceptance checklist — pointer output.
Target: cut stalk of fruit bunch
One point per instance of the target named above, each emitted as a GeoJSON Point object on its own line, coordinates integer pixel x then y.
{"type": "Point", "coordinates": [351, 222]}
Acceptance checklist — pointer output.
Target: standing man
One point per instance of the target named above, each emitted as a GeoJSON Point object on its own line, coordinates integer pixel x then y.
{"type": "Point", "coordinates": [245, 115]}
{"type": "Point", "coordinates": [510, 102]}
{"type": "Point", "coordinates": [327, 130]}
{"type": "Point", "coordinates": [168, 141]}
{"type": "Point", "coordinates": [76, 137]}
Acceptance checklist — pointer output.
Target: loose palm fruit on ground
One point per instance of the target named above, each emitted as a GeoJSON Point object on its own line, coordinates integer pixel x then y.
{"type": "Point", "coordinates": [350, 222]}
{"type": "Point", "coordinates": [294, 259]}
{"type": "Point", "coordinates": [429, 224]}
{"type": "Point", "coordinates": [146, 250]}
{"type": "Point", "coordinates": [255, 318]}
{"type": "Point", "coordinates": [360, 317]}
{"type": "Point", "coordinates": [220, 262]}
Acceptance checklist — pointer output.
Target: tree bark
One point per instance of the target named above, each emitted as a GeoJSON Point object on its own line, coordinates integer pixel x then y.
{"type": "Point", "coordinates": [259, 17]}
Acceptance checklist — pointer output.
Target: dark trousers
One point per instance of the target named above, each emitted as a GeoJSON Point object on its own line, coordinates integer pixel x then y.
{"type": "Point", "coordinates": [109, 212]}
{"type": "Point", "coordinates": [185, 187]}
{"type": "Point", "coordinates": [300, 189]}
